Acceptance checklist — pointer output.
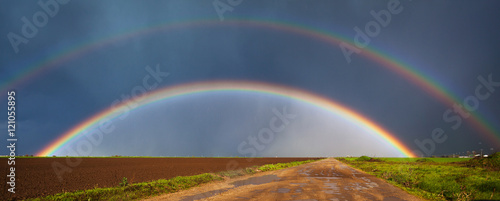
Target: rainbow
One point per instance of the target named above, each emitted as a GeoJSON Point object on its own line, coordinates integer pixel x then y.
{"type": "Point", "coordinates": [410, 73]}
{"type": "Point", "coordinates": [206, 87]}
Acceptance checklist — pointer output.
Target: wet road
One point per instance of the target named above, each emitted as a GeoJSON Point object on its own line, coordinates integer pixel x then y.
{"type": "Point", "coordinates": [327, 179]}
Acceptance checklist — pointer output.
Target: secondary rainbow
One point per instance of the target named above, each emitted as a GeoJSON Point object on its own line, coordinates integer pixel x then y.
{"type": "Point", "coordinates": [408, 72]}
{"type": "Point", "coordinates": [207, 87]}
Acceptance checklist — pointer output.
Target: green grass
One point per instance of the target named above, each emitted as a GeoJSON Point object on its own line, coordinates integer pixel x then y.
{"type": "Point", "coordinates": [23, 156]}
{"type": "Point", "coordinates": [438, 160]}
{"type": "Point", "coordinates": [136, 191]}
{"type": "Point", "coordinates": [277, 166]}
{"type": "Point", "coordinates": [435, 178]}
{"type": "Point", "coordinates": [127, 191]}
{"type": "Point", "coordinates": [237, 173]}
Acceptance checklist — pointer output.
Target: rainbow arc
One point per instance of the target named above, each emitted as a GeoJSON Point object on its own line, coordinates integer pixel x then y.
{"type": "Point", "coordinates": [412, 74]}
{"type": "Point", "coordinates": [240, 86]}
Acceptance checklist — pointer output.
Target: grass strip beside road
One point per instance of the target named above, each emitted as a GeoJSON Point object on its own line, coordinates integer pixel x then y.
{"type": "Point", "coordinates": [436, 179]}
{"type": "Point", "coordinates": [277, 166]}
{"type": "Point", "coordinates": [147, 189]}
{"type": "Point", "coordinates": [437, 160]}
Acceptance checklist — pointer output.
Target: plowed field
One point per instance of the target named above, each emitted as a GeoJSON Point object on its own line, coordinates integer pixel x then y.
{"type": "Point", "coordinates": [36, 177]}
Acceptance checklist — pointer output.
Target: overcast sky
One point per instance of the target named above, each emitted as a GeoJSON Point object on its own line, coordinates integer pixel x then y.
{"type": "Point", "coordinates": [450, 42]}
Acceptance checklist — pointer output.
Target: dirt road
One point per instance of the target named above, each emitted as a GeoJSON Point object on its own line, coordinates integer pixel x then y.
{"type": "Point", "coordinates": [327, 179]}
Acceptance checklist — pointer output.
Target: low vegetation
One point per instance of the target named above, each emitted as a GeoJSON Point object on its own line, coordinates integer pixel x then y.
{"type": "Point", "coordinates": [492, 163]}
{"type": "Point", "coordinates": [437, 178]}
{"type": "Point", "coordinates": [124, 182]}
{"type": "Point", "coordinates": [278, 166]}
{"type": "Point", "coordinates": [237, 173]}
{"type": "Point", "coordinates": [129, 191]}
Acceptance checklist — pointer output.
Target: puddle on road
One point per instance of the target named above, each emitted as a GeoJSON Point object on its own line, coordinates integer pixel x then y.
{"type": "Point", "coordinates": [332, 188]}
{"type": "Point", "coordinates": [257, 191]}
{"type": "Point", "coordinates": [256, 180]}
{"type": "Point", "coordinates": [300, 184]}
{"type": "Point", "coordinates": [304, 172]}
{"type": "Point", "coordinates": [393, 199]}
{"type": "Point", "coordinates": [371, 185]}
{"type": "Point", "coordinates": [299, 189]}
{"type": "Point", "coordinates": [329, 178]}
{"type": "Point", "coordinates": [250, 181]}
{"type": "Point", "coordinates": [283, 190]}
{"type": "Point", "coordinates": [204, 195]}
{"type": "Point", "coordinates": [355, 186]}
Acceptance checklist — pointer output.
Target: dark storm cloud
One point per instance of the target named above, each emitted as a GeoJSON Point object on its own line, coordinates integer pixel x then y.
{"type": "Point", "coordinates": [453, 42]}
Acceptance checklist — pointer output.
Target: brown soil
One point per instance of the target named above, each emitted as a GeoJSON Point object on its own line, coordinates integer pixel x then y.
{"type": "Point", "coordinates": [35, 177]}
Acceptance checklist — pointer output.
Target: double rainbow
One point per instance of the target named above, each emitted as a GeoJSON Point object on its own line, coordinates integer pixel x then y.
{"type": "Point", "coordinates": [392, 64]}
{"type": "Point", "coordinates": [251, 87]}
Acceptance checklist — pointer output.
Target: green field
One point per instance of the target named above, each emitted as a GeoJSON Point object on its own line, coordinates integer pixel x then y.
{"type": "Point", "coordinates": [437, 178]}
{"type": "Point", "coordinates": [438, 160]}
